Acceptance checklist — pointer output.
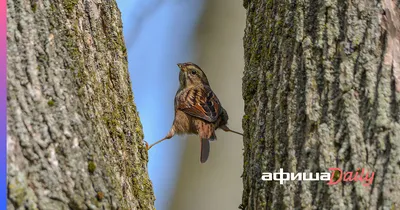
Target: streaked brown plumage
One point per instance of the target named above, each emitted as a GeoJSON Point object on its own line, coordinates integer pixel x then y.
{"type": "Point", "coordinates": [197, 109]}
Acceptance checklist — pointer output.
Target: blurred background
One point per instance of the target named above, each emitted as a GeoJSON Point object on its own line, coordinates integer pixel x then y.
{"type": "Point", "coordinates": [159, 34]}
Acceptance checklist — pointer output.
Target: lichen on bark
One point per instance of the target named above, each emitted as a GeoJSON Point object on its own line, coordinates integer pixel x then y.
{"type": "Point", "coordinates": [318, 94]}
{"type": "Point", "coordinates": [75, 140]}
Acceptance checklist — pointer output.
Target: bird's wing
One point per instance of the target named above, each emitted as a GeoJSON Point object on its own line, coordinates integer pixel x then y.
{"type": "Point", "coordinates": [199, 102]}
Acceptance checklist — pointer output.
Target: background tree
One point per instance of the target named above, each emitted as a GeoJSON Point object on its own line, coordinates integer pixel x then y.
{"type": "Point", "coordinates": [74, 137]}
{"type": "Point", "coordinates": [216, 184]}
{"type": "Point", "coordinates": [321, 89]}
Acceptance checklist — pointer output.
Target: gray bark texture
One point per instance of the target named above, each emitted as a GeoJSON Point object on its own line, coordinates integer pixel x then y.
{"type": "Point", "coordinates": [322, 89]}
{"type": "Point", "coordinates": [74, 136]}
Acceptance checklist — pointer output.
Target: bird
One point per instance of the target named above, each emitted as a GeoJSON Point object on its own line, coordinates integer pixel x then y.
{"type": "Point", "coordinates": [197, 109]}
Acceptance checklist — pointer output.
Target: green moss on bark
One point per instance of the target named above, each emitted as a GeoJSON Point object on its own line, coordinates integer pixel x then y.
{"type": "Point", "coordinates": [314, 86]}
{"type": "Point", "coordinates": [83, 67]}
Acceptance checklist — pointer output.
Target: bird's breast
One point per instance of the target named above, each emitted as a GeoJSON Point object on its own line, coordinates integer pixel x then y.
{"type": "Point", "coordinates": [187, 124]}
{"type": "Point", "coordinates": [184, 123]}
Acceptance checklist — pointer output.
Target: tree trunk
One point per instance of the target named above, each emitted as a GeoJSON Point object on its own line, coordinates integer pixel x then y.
{"type": "Point", "coordinates": [321, 88]}
{"type": "Point", "coordinates": [74, 136]}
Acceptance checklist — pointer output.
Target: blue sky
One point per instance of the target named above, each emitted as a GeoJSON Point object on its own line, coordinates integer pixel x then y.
{"type": "Point", "coordinates": [159, 34]}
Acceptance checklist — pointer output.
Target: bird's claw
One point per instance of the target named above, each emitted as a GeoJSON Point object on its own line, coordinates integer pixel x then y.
{"type": "Point", "coordinates": [147, 145]}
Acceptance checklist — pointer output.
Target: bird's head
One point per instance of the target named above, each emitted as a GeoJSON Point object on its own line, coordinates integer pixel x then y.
{"type": "Point", "coordinates": [191, 75]}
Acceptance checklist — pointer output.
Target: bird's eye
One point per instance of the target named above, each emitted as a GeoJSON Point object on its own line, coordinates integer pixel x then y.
{"type": "Point", "coordinates": [193, 72]}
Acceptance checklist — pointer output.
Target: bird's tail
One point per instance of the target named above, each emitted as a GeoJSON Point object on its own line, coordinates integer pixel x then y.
{"type": "Point", "coordinates": [207, 134]}
{"type": "Point", "coordinates": [205, 150]}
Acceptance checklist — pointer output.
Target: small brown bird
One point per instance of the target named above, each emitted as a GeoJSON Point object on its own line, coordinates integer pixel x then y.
{"type": "Point", "coordinates": [197, 109]}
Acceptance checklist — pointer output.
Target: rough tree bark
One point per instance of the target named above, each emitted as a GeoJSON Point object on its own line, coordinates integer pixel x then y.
{"type": "Point", "coordinates": [321, 89]}
{"type": "Point", "coordinates": [74, 135]}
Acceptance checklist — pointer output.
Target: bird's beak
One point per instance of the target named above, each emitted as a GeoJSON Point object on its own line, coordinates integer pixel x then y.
{"type": "Point", "coordinates": [181, 65]}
